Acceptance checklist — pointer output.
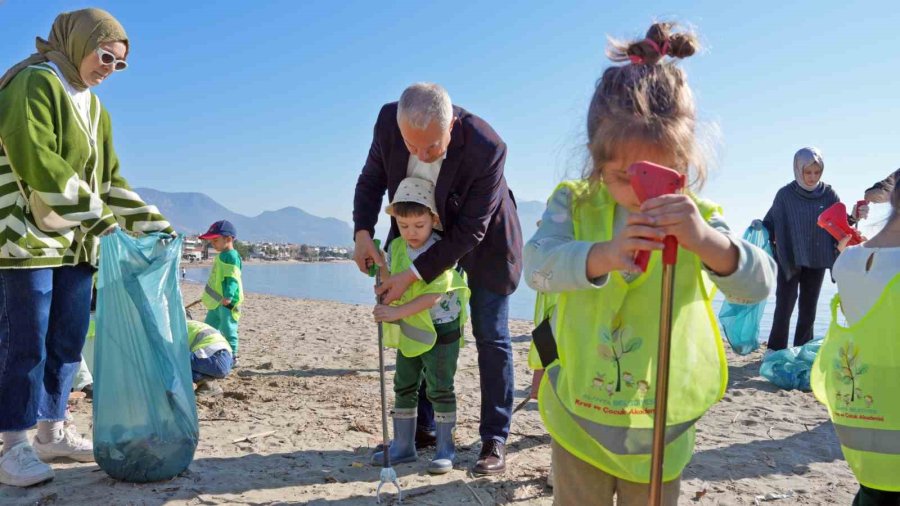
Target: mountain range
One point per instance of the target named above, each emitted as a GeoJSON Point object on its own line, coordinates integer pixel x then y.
{"type": "Point", "coordinates": [193, 212]}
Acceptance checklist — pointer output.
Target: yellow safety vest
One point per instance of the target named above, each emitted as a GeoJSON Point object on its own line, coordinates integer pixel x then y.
{"type": "Point", "coordinates": [212, 295]}
{"type": "Point", "coordinates": [857, 375]}
{"type": "Point", "coordinates": [415, 334]}
{"type": "Point", "coordinates": [205, 340]}
{"type": "Point", "coordinates": [597, 400]}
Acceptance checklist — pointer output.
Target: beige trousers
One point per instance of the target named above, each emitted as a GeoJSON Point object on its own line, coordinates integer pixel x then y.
{"type": "Point", "coordinates": [577, 483]}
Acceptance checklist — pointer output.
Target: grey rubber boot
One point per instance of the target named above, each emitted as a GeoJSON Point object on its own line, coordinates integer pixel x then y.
{"type": "Point", "coordinates": [445, 454]}
{"type": "Point", "coordinates": [403, 446]}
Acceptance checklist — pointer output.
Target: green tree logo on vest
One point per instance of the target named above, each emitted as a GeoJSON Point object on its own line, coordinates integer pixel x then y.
{"type": "Point", "coordinates": [849, 370]}
{"type": "Point", "coordinates": [615, 344]}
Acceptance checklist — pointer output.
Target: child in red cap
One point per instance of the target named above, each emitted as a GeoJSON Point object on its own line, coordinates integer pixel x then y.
{"type": "Point", "coordinates": [222, 295]}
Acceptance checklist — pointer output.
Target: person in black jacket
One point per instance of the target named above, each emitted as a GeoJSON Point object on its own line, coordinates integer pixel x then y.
{"type": "Point", "coordinates": [803, 251]}
{"type": "Point", "coordinates": [424, 135]}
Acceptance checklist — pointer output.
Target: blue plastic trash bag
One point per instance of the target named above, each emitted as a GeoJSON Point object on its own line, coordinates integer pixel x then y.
{"type": "Point", "coordinates": [145, 419]}
{"type": "Point", "coordinates": [740, 322]}
{"type": "Point", "coordinates": [790, 368]}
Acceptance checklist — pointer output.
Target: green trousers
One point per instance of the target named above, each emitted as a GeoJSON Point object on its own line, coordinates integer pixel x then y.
{"type": "Point", "coordinates": [437, 367]}
{"type": "Point", "coordinates": [220, 319]}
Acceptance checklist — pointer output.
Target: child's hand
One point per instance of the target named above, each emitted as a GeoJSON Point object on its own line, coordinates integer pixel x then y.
{"type": "Point", "coordinates": [536, 382]}
{"type": "Point", "coordinates": [384, 313]}
{"type": "Point", "coordinates": [393, 286]}
{"type": "Point", "coordinates": [676, 215]}
{"type": "Point", "coordinates": [618, 254]}
{"type": "Point", "coordinates": [842, 244]}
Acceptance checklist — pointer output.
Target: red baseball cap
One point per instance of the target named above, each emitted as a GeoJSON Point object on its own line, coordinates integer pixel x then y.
{"type": "Point", "coordinates": [222, 228]}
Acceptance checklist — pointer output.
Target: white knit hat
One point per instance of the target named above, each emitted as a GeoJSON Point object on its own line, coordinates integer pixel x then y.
{"type": "Point", "coordinates": [420, 191]}
{"type": "Point", "coordinates": [413, 189]}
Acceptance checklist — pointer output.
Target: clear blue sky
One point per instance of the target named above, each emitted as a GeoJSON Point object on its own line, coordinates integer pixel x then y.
{"type": "Point", "coordinates": [263, 105]}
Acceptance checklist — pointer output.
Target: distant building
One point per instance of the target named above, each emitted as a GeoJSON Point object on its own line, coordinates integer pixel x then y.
{"type": "Point", "coordinates": [192, 250]}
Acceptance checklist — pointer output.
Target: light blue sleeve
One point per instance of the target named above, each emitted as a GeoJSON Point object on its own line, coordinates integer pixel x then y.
{"type": "Point", "coordinates": [755, 274]}
{"type": "Point", "coordinates": [554, 260]}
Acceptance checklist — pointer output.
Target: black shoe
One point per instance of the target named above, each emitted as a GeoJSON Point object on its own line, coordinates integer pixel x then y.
{"type": "Point", "coordinates": [209, 388]}
{"type": "Point", "coordinates": [424, 439]}
{"type": "Point", "coordinates": [492, 459]}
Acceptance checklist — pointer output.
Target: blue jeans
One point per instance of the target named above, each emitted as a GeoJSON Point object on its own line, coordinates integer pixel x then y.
{"type": "Point", "coordinates": [490, 324]}
{"type": "Point", "coordinates": [217, 366]}
{"type": "Point", "coordinates": [44, 316]}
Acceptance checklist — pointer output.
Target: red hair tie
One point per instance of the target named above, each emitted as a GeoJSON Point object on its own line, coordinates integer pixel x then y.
{"type": "Point", "coordinates": [662, 51]}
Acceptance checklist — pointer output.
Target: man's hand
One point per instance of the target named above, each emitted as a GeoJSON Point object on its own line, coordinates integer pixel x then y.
{"type": "Point", "coordinates": [392, 287]}
{"type": "Point", "coordinates": [226, 303]}
{"type": "Point", "coordinates": [365, 253]}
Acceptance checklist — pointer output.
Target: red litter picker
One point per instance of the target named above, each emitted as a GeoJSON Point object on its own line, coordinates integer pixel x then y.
{"type": "Point", "coordinates": [388, 475]}
{"type": "Point", "coordinates": [648, 181]}
{"type": "Point", "coordinates": [834, 221]}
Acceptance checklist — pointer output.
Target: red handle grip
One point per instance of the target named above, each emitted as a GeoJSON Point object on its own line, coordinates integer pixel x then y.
{"type": "Point", "coordinates": [650, 180]}
{"type": "Point", "coordinates": [670, 252]}
{"type": "Point", "coordinates": [642, 259]}
{"type": "Point", "coordinates": [834, 221]}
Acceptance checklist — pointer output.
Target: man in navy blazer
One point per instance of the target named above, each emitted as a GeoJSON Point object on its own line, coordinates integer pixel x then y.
{"type": "Point", "coordinates": [424, 136]}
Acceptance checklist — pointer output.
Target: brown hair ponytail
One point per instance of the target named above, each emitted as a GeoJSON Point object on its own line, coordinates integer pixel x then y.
{"type": "Point", "coordinates": [646, 100]}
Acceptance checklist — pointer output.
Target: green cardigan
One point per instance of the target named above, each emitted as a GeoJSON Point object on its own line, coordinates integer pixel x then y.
{"type": "Point", "coordinates": [46, 149]}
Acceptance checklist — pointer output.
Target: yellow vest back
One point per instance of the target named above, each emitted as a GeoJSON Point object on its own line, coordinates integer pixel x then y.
{"type": "Point", "coordinates": [856, 375]}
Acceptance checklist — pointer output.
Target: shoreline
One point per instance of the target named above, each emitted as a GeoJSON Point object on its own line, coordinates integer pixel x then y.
{"type": "Point", "coordinates": [192, 282]}
{"type": "Point", "coordinates": [255, 261]}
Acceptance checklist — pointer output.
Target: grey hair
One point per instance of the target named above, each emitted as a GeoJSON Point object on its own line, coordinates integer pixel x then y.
{"type": "Point", "coordinates": [422, 103]}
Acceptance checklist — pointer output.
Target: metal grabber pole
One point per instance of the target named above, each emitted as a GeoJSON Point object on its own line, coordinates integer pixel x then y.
{"type": "Point", "coordinates": [388, 475]}
{"type": "Point", "coordinates": [670, 255]}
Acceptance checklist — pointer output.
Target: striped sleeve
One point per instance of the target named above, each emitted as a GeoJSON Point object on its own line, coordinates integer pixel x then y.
{"type": "Point", "coordinates": [32, 152]}
{"type": "Point", "coordinates": [130, 210]}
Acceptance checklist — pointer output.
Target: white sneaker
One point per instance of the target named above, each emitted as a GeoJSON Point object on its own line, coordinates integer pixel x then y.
{"type": "Point", "coordinates": [21, 467]}
{"type": "Point", "coordinates": [71, 446]}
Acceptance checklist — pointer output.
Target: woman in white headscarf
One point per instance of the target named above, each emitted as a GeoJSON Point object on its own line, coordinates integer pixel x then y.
{"type": "Point", "coordinates": [803, 250]}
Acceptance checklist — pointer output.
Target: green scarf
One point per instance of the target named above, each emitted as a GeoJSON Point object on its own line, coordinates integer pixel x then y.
{"type": "Point", "coordinates": [73, 36]}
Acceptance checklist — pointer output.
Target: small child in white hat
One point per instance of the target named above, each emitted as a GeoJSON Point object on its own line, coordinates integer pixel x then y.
{"type": "Point", "coordinates": [425, 325]}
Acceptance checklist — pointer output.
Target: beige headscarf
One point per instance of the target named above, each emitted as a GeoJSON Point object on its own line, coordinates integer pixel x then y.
{"type": "Point", "coordinates": [73, 36]}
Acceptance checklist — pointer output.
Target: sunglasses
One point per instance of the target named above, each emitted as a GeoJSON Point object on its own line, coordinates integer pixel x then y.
{"type": "Point", "coordinates": [108, 58]}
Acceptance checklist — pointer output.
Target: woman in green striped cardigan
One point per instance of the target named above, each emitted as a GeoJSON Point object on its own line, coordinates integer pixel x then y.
{"type": "Point", "coordinates": [60, 190]}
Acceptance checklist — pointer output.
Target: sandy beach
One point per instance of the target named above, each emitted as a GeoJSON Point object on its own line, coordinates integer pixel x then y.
{"type": "Point", "coordinates": [309, 379]}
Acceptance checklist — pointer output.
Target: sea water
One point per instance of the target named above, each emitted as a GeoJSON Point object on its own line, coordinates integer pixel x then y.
{"type": "Point", "coordinates": [342, 282]}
